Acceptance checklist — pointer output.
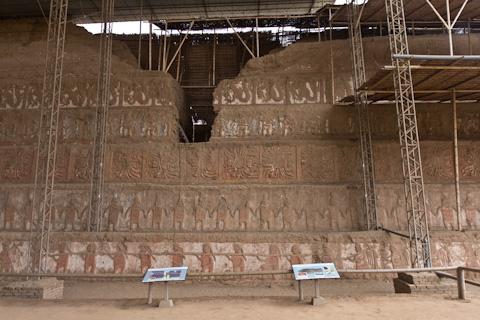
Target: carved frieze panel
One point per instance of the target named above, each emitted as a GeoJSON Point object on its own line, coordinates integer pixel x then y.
{"type": "Point", "coordinates": [270, 90]}
{"type": "Point", "coordinates": [437, 162]}
{"type": "Point", "coordinates": [469, 161]}
{"type": "Point", "coordinates": [279, 163]}
{"type": "Point", "coordinates": [202, 164]}
{"type": "Point", "coordinates": [238, 91]}
{"type": "Point", "coordinates": [81, 170]}
{"type": "Point", "coordinates": [126, 164]}
{"type": "Point", "coordinates": [163, 164]}
{"type": "Point", "coordinates": [241, 163]}
{"type": "Point", "coordinates": [316, 163]}
{"type": "Point", "coordinates": [303, 89]}
{"type": "Point", "coordinates": [17, 164]}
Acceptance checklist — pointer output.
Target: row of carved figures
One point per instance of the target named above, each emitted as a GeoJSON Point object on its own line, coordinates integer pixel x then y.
{"type": "Point", "coordinates": [332, 211]}
{"type": "Point", "coordinates": [121, 260]}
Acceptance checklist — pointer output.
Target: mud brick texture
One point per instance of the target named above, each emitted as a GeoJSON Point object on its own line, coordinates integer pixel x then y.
{"type": "Point", "coordinates": [33, 289]}
{"type": "Point", "coordinates": [422, 283]}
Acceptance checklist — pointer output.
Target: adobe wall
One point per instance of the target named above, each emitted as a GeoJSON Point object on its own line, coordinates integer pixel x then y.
{"type": "Point", "coordinates": [278, 184]}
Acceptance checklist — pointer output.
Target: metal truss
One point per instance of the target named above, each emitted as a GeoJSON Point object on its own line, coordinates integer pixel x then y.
{"type": "Point", "coordinates": [47, 139]}
{"type": "Point", "coordinates": [409, 140]}
{"type": "Point", "coordinates": [361, 104]}
{"type": "Point", "coordinates": [101, 118]}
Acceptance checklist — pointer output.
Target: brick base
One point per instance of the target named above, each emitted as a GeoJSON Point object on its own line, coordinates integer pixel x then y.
{"type": "Point", "coordinates": [423, 283]}
{"type": "Point", "coordinates": [34, 289]}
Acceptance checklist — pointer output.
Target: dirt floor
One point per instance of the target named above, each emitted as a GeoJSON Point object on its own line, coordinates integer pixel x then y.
{"type": "Point", "coordinates": [345, 299]}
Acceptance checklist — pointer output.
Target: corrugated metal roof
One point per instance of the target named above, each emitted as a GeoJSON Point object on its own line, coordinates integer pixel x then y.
{"type": "Point", "coordinates": [85, 11]}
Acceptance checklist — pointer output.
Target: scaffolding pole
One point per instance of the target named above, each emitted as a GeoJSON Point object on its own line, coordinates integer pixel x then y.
{"type": "Point", "coordinates": [361, 104]}
{"type": "Point", "coordinates": [409, 140]}
{"type": "Point", "coordinates": [101, 118]}
{"type": "Point", "coordinates": [47, 140]}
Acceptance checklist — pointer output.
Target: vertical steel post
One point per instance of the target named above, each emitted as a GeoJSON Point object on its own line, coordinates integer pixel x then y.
{"type": "Point", "coordinates": [361, 103]}
{"type": "Point", "coordinates": [409, 140]}
{"type": "Point", "coordinates": [95, 217]}
{"type": "Point", "coordinates": [43, 208]}
{"type": "Point", "coordinates": [150, 46]}
{"type": "Point", "coordinates": [258, 40]}
{"type": "Point", "coordinates": [300, 290]}
{"type": "Point", "coordinates": [140, 37]}
{"type": "Point", "coordinates": [150, 292]}
{"type": "Point", "coordinates": [462, 291]}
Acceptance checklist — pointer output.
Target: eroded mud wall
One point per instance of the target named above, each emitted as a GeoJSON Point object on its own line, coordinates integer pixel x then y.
{"type": "Point", "coordinates": [278, 184]}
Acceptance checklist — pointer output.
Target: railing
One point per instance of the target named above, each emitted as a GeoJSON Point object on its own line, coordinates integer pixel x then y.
{"type": "Point", "coordinates": [460, 275]}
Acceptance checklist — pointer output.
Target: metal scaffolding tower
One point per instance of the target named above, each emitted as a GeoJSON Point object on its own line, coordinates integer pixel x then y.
{"type": "Point", "coordinates": [101, 118]}
{"type": "Point", "coordinates": [361, 104]}
{"type": "Point", "coordinates": [47, 139]}
{"type": "Point", "coordinates": [409, 140]}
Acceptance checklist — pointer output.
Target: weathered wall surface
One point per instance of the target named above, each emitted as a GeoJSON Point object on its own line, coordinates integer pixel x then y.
{"type": "Point", "coordinates": [279, 183]}
{"type": "Point", "coordinates": [125, 253]}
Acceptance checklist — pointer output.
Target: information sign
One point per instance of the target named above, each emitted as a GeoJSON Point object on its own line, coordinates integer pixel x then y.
{"type": "Point", "coordinates": [315, 271]}
{"type": "Point", "coordinates": [165, 274]}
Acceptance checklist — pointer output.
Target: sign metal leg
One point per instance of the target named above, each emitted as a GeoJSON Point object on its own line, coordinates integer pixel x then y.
{"type": "Point", "coordinates": [300, 290]}
{"type": "Point", "coordinates": [165, 303]}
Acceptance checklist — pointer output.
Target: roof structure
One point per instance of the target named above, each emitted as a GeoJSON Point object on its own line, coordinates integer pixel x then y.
{"type": "Point", "coordinates": [433, 80]}
{"type": "Point", "coordinates": [415, 10]}
{"type": "Point", "coordinates": [88, 11]}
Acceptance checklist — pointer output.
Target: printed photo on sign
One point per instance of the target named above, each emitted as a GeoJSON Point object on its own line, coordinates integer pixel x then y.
{"type": "Point", "coordinates": [165, 274]}
{"type": "Point", "coordinates": [315, 271]}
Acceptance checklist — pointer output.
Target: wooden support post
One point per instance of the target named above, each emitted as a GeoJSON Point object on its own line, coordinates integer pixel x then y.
{"type": "Point", "coordinates": [318, 27]}
{"type": "Point", "coordinates": [180, 46]}
{"type": "Point", "coordinates": [179, 60]}
{"type": "Point", "coordinates": [150, 46]}
{"type": "Point", "coordinates": [243, 42]}
{"type": "Point", "coordinates": [462, 291]}
{"type": "Point", "coordinates": [160, 45]}
{"type": "Point", "coordinates": [455, 152]}
{"type": "Point", "coordinates": [332, 71]}
{"type": "Point", "coordinates": [164, 67]}
{"type": "Point", "coordinates": [469, 38]}
{"type": "Point", "coordinates": [140, 37]}
{"type": "Point", "coordinates": [214, 60]}
{"type": "Point", "coordinates": [258, 39]}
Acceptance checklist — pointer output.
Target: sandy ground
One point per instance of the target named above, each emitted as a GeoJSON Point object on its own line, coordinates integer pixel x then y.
{"type": "Point", "coordinates": [346, 299]}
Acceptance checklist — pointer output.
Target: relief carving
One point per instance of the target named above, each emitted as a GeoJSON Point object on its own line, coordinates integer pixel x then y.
{"type": "Point", "coordinates": [163, 165]}
{"type": "Point", "coordinates": [470, 163]}
{"type": "Point", "coordinates": [238, 259]}
{"type": "Point", "coordinates": [237, 91]}
{"type": "Point", "coordinates": [270, 91]}
{"type": "Point", "coordinates": [278, 163]}
{"type": "Point", "coordinates": [126, 166]}
{"type": "Point", "coordinates": [241, 163]}
{"type": "Point", "coordinates": [316, 163]}
{"type": "Point", "coordinates": [437, 163]}
{"type": "Point", "coordinates": [17, 164]}
{"type": "Point", "coordinates": [207, 259]}
{"type": "Point", "coordinates": [303, 91]}
{"type": "Point", "coordinates": [202, 163]}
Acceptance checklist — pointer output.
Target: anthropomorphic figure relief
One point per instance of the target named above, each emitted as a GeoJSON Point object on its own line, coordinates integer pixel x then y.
{"type": "Point", "coordinates": [290, 216]}
{"type": "Point", "coordinates": [400, 212]}
{"type": "Point", "coordinates": [113, 213]}
{"type": "Point", "coordinates": [471, 212]}
{"type": "Point", "coordinates": [201, 213]}
{"type": "Point", "coordinates": [136, 213]}
{"type": "Point", "coordinates": [179, 214]}
{"type": "Point", "coordinates": [62, 258]}
{"type": "Point", "coordinates": [440, 256]}
{"type": "Point", "coordinates": [435, 220]}
{"type": "Point", "coordinates": [156, 212]}
{"type": "Point", "coordinates": [119, 260]}
{"type": "Point", "coordinates": [341, 220]}
{"type": "Point", "coordinates": [70, 213]}
{"type": "Point", "coordinates": [447, 214]}
{"type": "Point", "coordinates": [27, 221]}
{"type": "Point", "coordinates": [90, 259]}
{"type": "Point", "coordinates": [267, 215]}
{"type": "Point", "coordinates": [207, 259]}
{"type": "Point", "coordinates": [10, 213]}
{"type": "Point", "coordinates": [273, 260]}
{"type": "Point", "coordinates": [244, 215]}
{"type": "Point", "coordinates": [238, 259]}
{"type": "Point", "coordinates": [222, 214]}
{"type": "Point", "coordinates": [296, 257]}
{"type": "Point", "coordinates": [177, 256]}
{"type": "Point", "coordinates": [145, 258]}
{"type": "Point", "coordinates": [6, 261]}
